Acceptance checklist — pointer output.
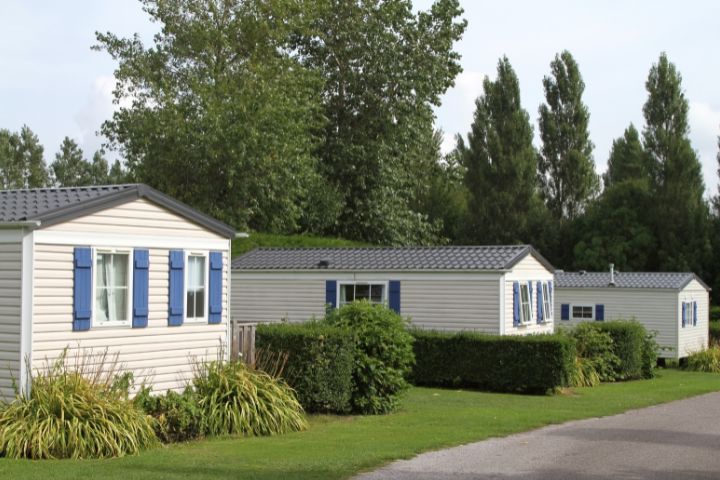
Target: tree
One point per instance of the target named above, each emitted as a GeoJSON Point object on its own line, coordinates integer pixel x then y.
{"type": "Point", "coordinates": [627, 160]}
{"type": "Point", "coordinates": [224, 116]}
{"type": "Point", "coordinates": [567, 170]}
{"type": "Point", "coordinates": [681, 214]}
{"type": "Point", "coordinates": [70, 169]}
{"type": "Point", "coordinates": [500, 163]}
{"type": "Point", "coordinates": [383, 68]}
{"type": "Point", "coordinates": [117, 174]}
{"type": "Point", "coordinates": [617, 227]}
{"type": "Point", "coordinates": [22, 164]}
{"type": "Point", "coordinates": [99, 170]}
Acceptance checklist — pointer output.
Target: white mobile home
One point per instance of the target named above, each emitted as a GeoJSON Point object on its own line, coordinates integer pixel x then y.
{"type": "Point", "coordinates": [120, 267]}
{"type": "Point", "coordinates": [493, 289]}
{"type": "Point", "coordinates": [675, 305]}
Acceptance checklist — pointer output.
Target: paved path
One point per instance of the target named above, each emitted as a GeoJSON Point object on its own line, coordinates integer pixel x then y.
{"type": "Point", "coordinates": [675, 441]}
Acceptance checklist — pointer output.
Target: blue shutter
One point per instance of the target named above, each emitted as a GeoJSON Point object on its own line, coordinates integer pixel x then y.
{"type": "Point", "coordinates": [215, 287]}
{"type": "Point", "coordinates": [331, 294]}
{"type": "Point", "coordinates": [683, 315]}
{"type": "Point", "coordinates": [694, 314]}
{"type": "Point", "coordinates": [394, 298]}
{"type": "Point", "coordinates": [565, 311]}
{"type": "Point", "coordinates": [540, 306]}
{"type": "Point", "coordinates": [176, 291]}
{"type": "Point", "coordinates": [82, 289]}
{"type": "Point", "coordinates": [600, 312]}
{"type": "Point", "coordinates": [141, 270]}
{"type": "Point", "coordinates": [516, 303]}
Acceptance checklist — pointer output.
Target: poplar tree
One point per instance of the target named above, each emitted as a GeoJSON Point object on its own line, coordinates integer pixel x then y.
{"type": "Point", "coordinates": [70, 169]}
{"type": "Point", "coordinates": [627, 160]}
{"type": "Point", "coordinates": [567, 170]}
{"type": "Point", "coordinates": [22, 164]}
{"type": "Point", "coordinates": [681, 215]}
{"type": "Point", "coordinates": [500, 163]}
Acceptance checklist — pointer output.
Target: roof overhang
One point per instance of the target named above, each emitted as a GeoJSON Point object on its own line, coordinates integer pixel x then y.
{"type": "Point", "coordinates": [134, 192]}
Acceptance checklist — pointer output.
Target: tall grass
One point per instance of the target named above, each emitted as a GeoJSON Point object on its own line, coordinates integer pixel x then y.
{"type": "Point", "coordinates": [235, 399]}
{"type": "Point", "coordinates": [75, 409]}
{"type": "Point", "coordinates": [706, 360]}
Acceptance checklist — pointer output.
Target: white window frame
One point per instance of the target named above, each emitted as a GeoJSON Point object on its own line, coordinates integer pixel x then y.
{"type": "Point", "coordinates": [547, 302]}
{"type": "Point", "coordinates": [206, 255]}
{"type": "Point", "coordinates": [115, 323]}
{"type": "Point", "coordinates": [526, 317]}
{"type": "Point", "coordinates": [384, 284]}
{"type": "Point", "coordinates": [688, 314]}
{"type": "Point", "coordinates": [582, 305]}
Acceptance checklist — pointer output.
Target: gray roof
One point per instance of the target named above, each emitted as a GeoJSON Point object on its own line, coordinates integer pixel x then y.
{"type": "Point", "coordinates": [388, 258]}
{"type": "Point", "coordinates": [49, 206]}
{"type": "Point", "coordinates": [661, 280]}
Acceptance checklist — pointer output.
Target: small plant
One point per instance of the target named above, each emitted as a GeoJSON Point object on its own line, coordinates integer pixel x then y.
{"type": "Point", "coordinates": [235, 399]}
{"type": "Point", "coordinates": [78, 412]}
{"type": "Point", "coordinates": [177, 415]}
{"type": "Point", "coordinates": [706, 360]}
{"type": "Point", "coordinates": [383, 354]}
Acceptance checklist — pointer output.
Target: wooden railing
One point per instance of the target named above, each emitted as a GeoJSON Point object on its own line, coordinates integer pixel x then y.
{"type": "Point", "coordinates": [242, 341]}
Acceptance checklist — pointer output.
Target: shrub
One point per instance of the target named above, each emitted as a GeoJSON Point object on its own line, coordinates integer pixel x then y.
{"type": "Point", "coordinates": [715, 313]}
{"type": "Point", "coordinates": [715, 332]}
{"type": "Point", "coordinates": [596, 360]}
{"type": "Point", "coordinates": [177, 415]}
{"type": "Point", "coordinates": [634, 347]}
{"type": "Point", "coordinates": [706, 360]}
{"type": "Point", "coordinates": [319, 362]}
{"type": "Point", "coordinates": [383, 354]}
{"type": "Point", "coordinates": [73, 414]}
{"type": "Point", "coordinates": [234, 399]}
{"type": "Point", "coordinates": [525, 364]}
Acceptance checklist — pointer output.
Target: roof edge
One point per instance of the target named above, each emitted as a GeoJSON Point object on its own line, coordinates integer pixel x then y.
{"type": "Point", "coordinates": [529, 249]}
{"type": "Point", "coordinates": [134, 192]}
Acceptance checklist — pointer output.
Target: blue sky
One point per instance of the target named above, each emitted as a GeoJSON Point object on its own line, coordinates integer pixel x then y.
{"type": "Point", "coordinates": [52, 81]}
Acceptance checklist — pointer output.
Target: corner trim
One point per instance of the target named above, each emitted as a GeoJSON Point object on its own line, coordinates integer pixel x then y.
{"type": "Point", "coordinates": [26, 309]}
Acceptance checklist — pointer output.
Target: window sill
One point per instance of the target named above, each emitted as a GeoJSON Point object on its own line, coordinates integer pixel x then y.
{"type": "Point", "coordinates": [108, 325]}
{"type": "Point", "coordinates": [196, 321]}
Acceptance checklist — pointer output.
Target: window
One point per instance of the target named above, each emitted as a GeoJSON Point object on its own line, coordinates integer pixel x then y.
{"type": "Point", "coordinates": [112, 287]}
{"type": "Point", "coordinates": [525, 304]}
{"type": "Point", "coordinates": [196, 282]}
{"type": "Point", "coordinates": [372, 291]}
{"type": "Point", "coordinates": [547, 304]}
{"type": "Point", "coordinates": [688, 314]}
{"type": "Point", "coordinates": [582, 312]}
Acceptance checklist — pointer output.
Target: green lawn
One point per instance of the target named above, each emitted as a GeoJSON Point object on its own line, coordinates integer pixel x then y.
{"type": "Point", "coordinates": [242, 245]}
{"type": "Point", "coordinates": [337, 447]}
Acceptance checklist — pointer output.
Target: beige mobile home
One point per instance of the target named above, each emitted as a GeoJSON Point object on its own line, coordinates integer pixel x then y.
{"type": "Point", "coordinates": [675, 305]}
{"type": "Point", "coordinates": [494, 289]}
{"type": "Point", "coordinates": [120, 267]}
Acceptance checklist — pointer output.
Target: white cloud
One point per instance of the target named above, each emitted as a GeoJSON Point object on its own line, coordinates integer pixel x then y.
{"type": "Point", "coordinates": [98, 108]}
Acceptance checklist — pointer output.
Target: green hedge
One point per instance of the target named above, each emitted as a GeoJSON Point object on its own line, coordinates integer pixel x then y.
{"type": "Point", "coordinates": [526, 364]}
{"type": "Point", "coordinates": [320, 362]}
{"type": "Point", "coordinates": [715, 314]}
{"type": "Point", "coordinates": [632, 346]}
{"type": "Point", "coordinates": [714, 332]}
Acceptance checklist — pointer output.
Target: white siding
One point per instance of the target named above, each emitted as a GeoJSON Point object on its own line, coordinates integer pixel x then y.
{"type": "Point", "coordinates": [158, 354]}
{"type": "Point", "coordinates": [10, 299]}
{"type": "Point", "coordinates": [432, 300]}
{"type": "Point", "coordinates": [529, 269]}
{"type": "Point", "coordinates": [655, 308]}
{"type": "Point", "coordinates": [693, 338]}
{"type": "Point", "coordinates": [139, 217]}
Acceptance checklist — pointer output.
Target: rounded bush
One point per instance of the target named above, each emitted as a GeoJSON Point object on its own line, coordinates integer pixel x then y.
{"type": "Point", "coordinates": [383, 354]}
{"type": "Point", "coordinates": [67, 415]}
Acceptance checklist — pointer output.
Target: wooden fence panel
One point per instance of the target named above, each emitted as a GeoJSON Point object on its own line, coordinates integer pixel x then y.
{"type": "Point", "coordinates": [242, 341]}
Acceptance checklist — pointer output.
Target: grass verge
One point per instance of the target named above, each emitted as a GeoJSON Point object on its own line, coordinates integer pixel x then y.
{"type": "Point", "coordinates": [337, 447]}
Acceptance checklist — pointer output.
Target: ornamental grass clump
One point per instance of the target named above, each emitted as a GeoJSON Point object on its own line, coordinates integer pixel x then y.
{"type": "Point", "coordinates": [237, 400]}
{"type": "Point", "coordinates": [79, 412]}
{"type": "Point", "coordinates": [705, 360]}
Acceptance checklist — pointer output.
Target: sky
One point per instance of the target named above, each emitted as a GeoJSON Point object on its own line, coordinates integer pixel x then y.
{"type": "Point", "coordinates": [52, 81]}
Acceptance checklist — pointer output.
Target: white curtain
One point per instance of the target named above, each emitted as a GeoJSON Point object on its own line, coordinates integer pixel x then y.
{"type": "Point", "coordinates": [101, 291]}
{"type": "Point", "coordinates": [111, 287]}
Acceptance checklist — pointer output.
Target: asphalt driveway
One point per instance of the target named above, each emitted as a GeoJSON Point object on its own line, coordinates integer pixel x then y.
{"type": "Point", "coordinates": [678, 440]}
